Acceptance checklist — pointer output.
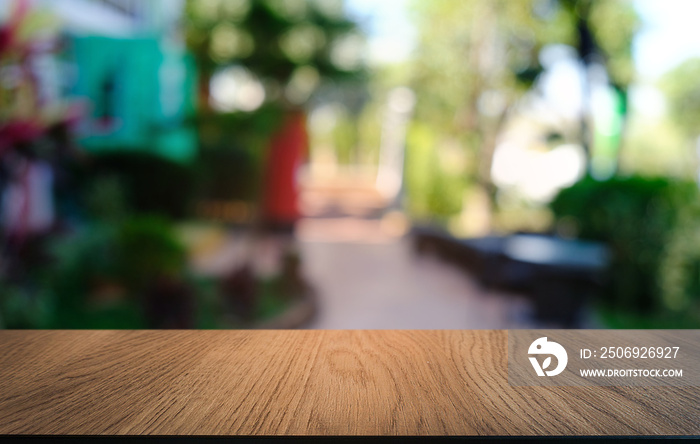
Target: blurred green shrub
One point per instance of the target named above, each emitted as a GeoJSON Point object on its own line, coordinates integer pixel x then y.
{"type": "Point", "coordinates": [100, 274]}
{"type": "Point", "coordinates": [652, 226]}
{"type": "Point", "coordinates": [105, 199]}
{"type": "Point", "coordinates": [22, 307]}
{"type": "Point", "coordinates": [151, 184]}
{"type": "Point", "coordinates": [228, 174]}
{"type": "Point", "coordinates": [233, 149]}
{"type": "Point", "coordinates": [148, 247]}
{"type": "Point", "coordinates": [435, 184]}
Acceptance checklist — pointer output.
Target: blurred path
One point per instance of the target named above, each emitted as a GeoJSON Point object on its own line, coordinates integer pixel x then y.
{"type": "Point", "coordinates": [363, 269]}
{"type": "Point", "coordinates": [367, 276]}
{"type": "Point", "coordinates": [384, 286]}
{"type": "Point", "coordinates": [366, 279]}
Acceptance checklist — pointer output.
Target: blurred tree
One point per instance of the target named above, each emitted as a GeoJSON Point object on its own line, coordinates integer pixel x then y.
{"type": "Point", "coordinates": [603, 32]}
{"type": "Point", "coordinates": [683, 92]}
{"type": "Point", "coordinates": [268, 58]}
{"type": "Point", "coordinates": [289, 46]}
{"type": "Point", "coordinates": [476, 59]}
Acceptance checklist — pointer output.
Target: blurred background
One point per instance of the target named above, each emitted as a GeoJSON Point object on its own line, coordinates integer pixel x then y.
{"type": "Point", "coordinates": [349, 164]}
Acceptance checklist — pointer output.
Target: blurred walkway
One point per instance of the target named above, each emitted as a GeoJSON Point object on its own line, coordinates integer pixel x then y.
{"type": "Point", "coordinates": [367, 276]}
{"type": "Point", "coordinates": [366, 279]}
{"type": "Point", "coordinates": [384, 286]}
{"type": "Point", "coordinates": [362, 266]}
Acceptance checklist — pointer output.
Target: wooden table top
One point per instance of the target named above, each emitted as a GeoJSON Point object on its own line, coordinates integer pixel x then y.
{"type": "Point", "coordinates": [341, 382]}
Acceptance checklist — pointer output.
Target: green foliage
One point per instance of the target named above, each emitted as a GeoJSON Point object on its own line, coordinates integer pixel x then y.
{"type": "Point", "coordinates": [292, 48]}
{"type": "Point", "coordinates": [474, 61]}
{"type": "Point", "coordinates": [232, 151]}
{"type": "Point", "coordinates": [273, 38]}
{"type": "Point", "coordinates": [468, 48]}
{"type": "Point", "coordinates": [100, 277]}
{"type": "Point", "coordinates": [147, 247]}
{"type": "Point", "coordinates": [82, 263]}
{"type": "Point", "coordinates": [614, 24]}
{"type": "Point", "coordinates": [345, 139]}
{"type": "Point", "coordinates": [228, 174]}
{"type": "Point", "coordinates": [99, 274]}
{"type": "Point", "coordinates": [683, 91]}
{"type": "Point", "coordinates": [22, 307]}
{"type": "Point", "coordinates": [477, 59]}
{"type": "Point", "coordinates": [137, 181]}
{"type": "Point", "coordinates": [619, 319]}
{"type": "Point", "coordinates": [209, 305]}
{"type": "Point", "coordinates": [656, 147]}
{"type": "Point", "coordinates": [433, 191]}
{"type": "Point", "coordinates": [105, 199]}
{"type": "Point", "coordinates": [649, 225]}
{"type": "Point", "coordinates": [239, 130]}
{"type": "Point", "coordinates": [272, 300]}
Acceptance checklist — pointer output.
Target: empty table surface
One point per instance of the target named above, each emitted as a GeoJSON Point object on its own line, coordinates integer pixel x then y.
{"type": "Point", "coordinates": [306, 382]}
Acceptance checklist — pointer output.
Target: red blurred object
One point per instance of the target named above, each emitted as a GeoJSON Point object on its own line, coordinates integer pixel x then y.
{"type": "Point", "coordinates": [6, 39]}
{"type": "Point", "coordinates": [288, 148]}
{"type": "Point", "coordinates": [18, 132]}
{"type": "Point", "coordinates": [8, 32]}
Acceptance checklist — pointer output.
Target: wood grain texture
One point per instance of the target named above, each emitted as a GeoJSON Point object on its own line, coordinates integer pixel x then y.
{"type": "Point", "coordinates": [306, 382]}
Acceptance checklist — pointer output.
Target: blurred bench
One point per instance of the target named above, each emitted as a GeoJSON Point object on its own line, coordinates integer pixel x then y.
{"type": "Point", "coordinates": [559, 275]}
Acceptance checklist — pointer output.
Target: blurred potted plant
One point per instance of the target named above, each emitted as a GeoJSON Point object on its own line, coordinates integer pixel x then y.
{"type": "Point", "coordinates": [122, 274]}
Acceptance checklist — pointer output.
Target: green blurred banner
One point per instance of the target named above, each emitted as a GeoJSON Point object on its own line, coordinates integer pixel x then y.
{"type": "Point", "coordinates": [139, 93]}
